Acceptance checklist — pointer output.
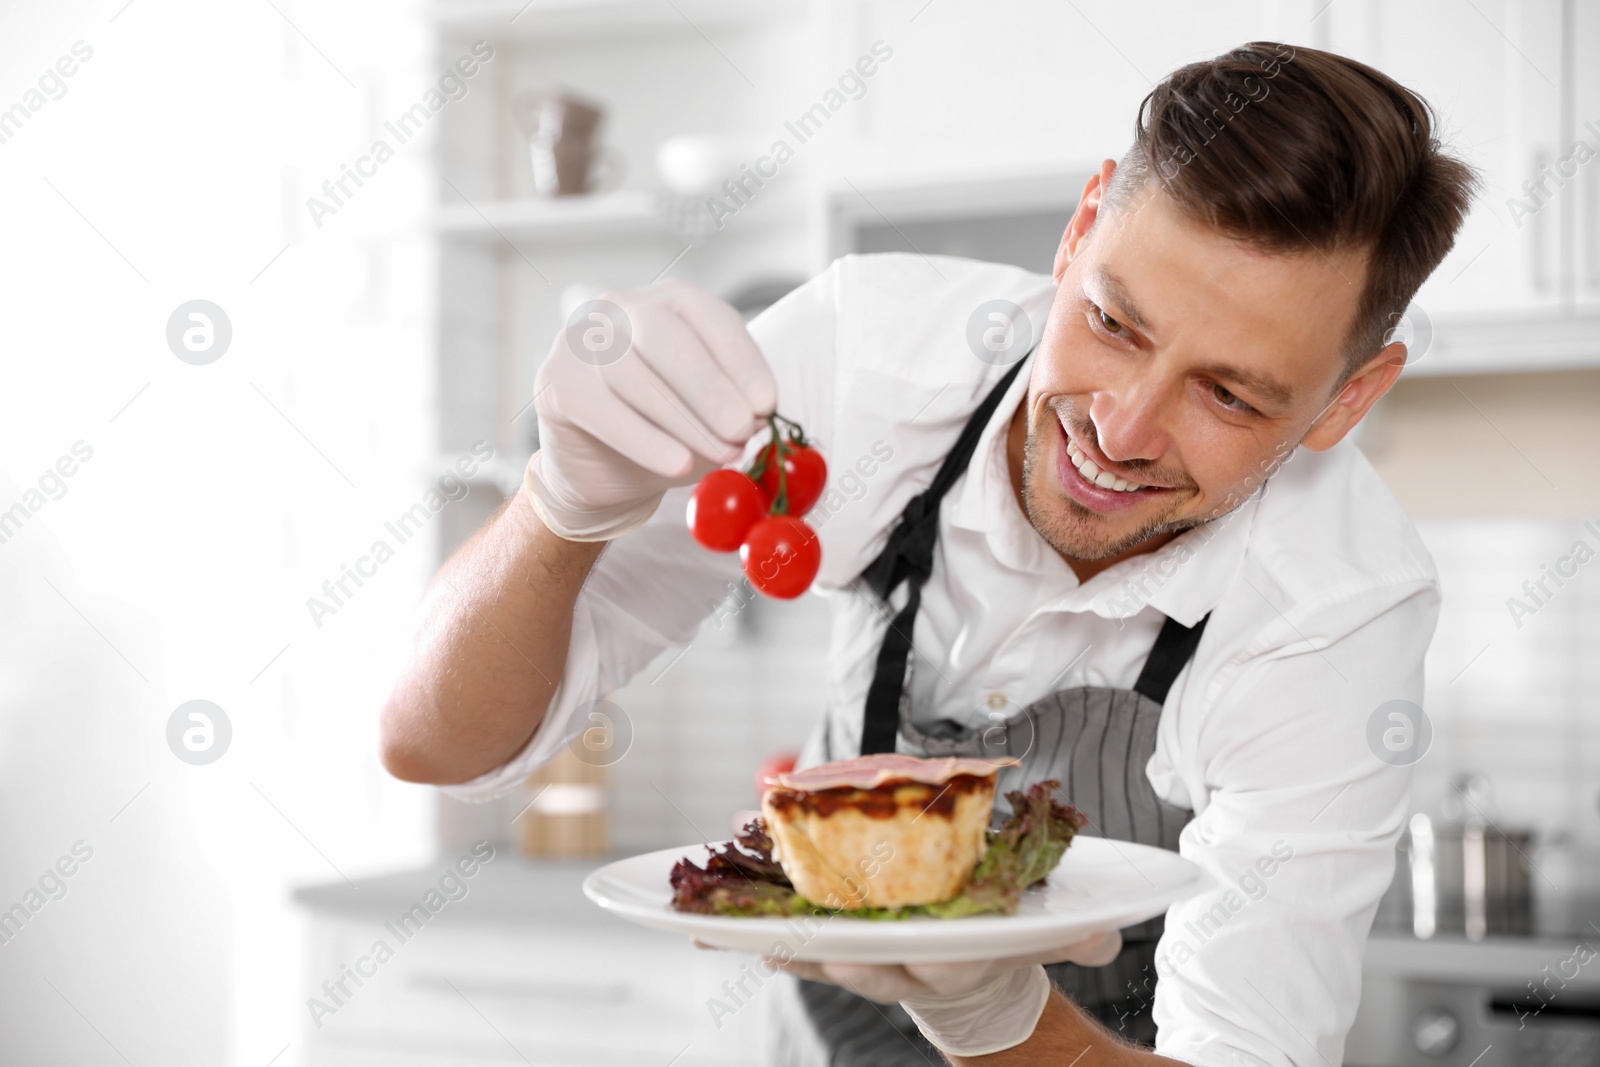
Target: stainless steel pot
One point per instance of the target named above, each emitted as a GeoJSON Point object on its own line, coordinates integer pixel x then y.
{"type": "Point", "coordinates": [1466, 877]}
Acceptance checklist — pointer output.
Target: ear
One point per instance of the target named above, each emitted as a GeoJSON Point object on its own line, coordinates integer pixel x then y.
{"type": "Point", "coordinates": [1356, 398]}
{"type": "Point", "coordinates": [1089, 202]}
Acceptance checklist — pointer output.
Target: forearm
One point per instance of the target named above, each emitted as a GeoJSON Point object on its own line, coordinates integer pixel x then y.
{"type": "Point", "coordinates": [489, 650]}
{"type": "Point", "coordinates": [1066, 1035]}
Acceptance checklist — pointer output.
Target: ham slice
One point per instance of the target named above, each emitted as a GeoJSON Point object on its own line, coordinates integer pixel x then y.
{"type": "Point", "coordinates": [870, 772]}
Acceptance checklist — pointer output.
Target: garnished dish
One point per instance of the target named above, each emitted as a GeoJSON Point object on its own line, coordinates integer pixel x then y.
{"type": "Point", "coordinates": [883, 837]}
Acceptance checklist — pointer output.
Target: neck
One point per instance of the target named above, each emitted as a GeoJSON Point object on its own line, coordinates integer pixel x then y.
{"type": "Point", "coordinates": [1016, 448]}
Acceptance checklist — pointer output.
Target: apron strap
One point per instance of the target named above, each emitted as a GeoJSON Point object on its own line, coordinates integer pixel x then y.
{"type": "Point", "coordinates": [908, 557]}
{"type": "Point", "coordinates": [1173, 647]}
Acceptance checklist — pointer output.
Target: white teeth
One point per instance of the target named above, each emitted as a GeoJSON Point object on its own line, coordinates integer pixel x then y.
{"type": "Point", "coordinates": [1092, 473]}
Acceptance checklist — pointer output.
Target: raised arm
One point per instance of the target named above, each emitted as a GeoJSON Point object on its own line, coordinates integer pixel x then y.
{"type": "Point", "coordinates": [489, 649]}
{"type": "Point", "coordinates": [655, 388]}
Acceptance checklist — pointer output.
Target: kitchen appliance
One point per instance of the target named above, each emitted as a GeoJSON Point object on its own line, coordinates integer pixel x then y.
{"type": "Point", "coordinates": [1484, 952]}
{"type": "Point", "coordinates": [1412, 1023]}
{"type": "Point", "coordinates": [1524, 1000]}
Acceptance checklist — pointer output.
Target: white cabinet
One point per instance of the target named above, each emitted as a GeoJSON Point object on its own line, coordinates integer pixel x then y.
{"type": "Point", "coordinates": [1011, 87]}
{"type": "Point", "coordinates": [523, 969]}
{"type": "Point", "coordinates": [1494, 73]}
{"type": "Point", "coordinates": [994, 115]}
{"type": "Point", "coordinates": [1585, 187]}
{"type": "Point", "coordinates": [1516, 84]}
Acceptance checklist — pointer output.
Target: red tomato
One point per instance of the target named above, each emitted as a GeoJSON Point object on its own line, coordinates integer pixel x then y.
{"type": "Point", "coordinates": [781, 555]}
{"type": "Point", "coordinates": [805, 472]}
{"type": "Point", "coordinates": [722, 509]}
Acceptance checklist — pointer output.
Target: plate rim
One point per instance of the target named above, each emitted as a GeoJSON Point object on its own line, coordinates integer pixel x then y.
{"type": "Point", "coordinates": [1194, 880]}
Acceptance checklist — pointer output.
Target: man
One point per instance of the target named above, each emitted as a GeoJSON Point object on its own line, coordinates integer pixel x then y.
{"type": "Point", "coordinates": [1155, 501]}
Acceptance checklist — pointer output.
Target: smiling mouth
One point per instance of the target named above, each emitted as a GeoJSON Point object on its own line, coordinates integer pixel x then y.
{"type": "Point", "coordinates": [1092, 473]}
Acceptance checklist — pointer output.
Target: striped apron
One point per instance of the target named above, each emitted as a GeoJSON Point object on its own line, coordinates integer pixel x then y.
{"type": "Point", "coordinates": [1095, 739]}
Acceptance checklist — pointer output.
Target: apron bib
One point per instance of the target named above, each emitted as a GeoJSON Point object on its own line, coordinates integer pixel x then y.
{"type": "Point", "coordinates": [1095, 740]}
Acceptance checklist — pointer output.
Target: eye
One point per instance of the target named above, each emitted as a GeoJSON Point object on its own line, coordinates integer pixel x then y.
{"type": "Point", "coordinates": [1228, 400]}
{"type": "Point", "coordinates": [1109, 324]}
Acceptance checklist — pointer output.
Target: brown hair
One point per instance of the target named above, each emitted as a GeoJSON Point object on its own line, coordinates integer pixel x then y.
{"type": "Point", "coordinates": [1286, 147]}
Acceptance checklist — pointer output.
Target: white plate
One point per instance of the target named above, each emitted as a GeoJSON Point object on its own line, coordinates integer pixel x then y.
{"type": "Point", "coordinates": [1099, 885]}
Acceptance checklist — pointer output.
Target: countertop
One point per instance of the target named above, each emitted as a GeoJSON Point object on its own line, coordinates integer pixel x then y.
{"type": "Point", "coordinates": [508, 889]}
{"type": "Point", "coordinates": [514, 890]}
{"type": "Point", "coordinates": [1494, 960]}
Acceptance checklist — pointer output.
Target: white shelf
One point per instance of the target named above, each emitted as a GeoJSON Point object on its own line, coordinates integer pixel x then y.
{"type": "Point", "coordinates": [575, 19]}
{"type": "Point", "coordinates": [620, 216]}
{"type": "Point", "coordinates": [958, 194]}
{"type": "Point", "coordinates": [608, 215]}
{"type": "Point", "coordinates": [1511, 344]}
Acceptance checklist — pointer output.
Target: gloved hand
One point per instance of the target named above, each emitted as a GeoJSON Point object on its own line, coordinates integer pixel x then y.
{"type": "Point", "coordinates": [965, 1009]}
{"type": "Point", "coordinates": [658, 387]}
{"type": "Point", "coordinates": [997, 1015]}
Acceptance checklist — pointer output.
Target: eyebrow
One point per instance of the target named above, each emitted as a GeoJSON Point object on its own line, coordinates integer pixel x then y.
{"type": "Point", "coordinates": [1274, 391]}
{"type": "Point", "coordinates": [1266, 386]}
{"type": "Point", "coordinates": [1118, 293]}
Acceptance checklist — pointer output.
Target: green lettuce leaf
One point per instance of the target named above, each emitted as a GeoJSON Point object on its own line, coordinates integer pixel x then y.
{"type": "Point", "coordinates": [742, 879]}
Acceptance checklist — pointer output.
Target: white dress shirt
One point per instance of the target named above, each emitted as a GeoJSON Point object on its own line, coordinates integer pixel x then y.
{"type": "Point", "coordinates": [1322, 600]}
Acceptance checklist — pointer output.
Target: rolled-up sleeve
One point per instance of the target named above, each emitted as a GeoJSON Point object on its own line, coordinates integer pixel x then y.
{"type": "Point", "coordinates": [1297, 829]}
{"type": "Point", "coordinates": [651, 589]}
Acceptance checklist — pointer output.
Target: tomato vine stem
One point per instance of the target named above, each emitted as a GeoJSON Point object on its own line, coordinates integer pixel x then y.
{"type": "Point", "coordinates": [775, 452]}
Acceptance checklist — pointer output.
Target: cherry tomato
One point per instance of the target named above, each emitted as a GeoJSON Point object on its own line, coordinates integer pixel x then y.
{"type": "Point", "coordinates": [805, 472]}
{"type": "Point", "coordinates": [781, 555]}
{"type": "Point", "coordinates": [723, 508]}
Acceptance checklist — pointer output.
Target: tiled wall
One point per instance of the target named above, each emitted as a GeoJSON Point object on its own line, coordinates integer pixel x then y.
{"type": "Point", "coordinates": [1519, 703]}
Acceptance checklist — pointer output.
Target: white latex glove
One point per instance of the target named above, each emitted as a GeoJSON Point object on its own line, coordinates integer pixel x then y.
{"type": "Point", "coordinates": [653, 389]}
{"type": "Point", "coordinates": [964, 1009]}
{"type": "Point", "coordinates": [997, 1015]}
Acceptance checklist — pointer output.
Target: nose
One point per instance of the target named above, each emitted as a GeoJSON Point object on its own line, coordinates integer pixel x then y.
{"type": "Point", "coordinates": [1129, 421]}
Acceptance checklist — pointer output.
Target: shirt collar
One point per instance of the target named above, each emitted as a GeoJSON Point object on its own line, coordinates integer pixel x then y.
{"type": "Point", "coordinates": [1183, 579]}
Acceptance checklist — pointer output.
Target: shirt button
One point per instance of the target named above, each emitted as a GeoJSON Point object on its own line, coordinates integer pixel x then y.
{"type": "Point", "coordinates": [997, 701]}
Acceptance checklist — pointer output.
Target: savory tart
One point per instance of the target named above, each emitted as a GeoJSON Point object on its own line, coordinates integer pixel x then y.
{"type": "Point", "coordinates": [883, 831]}
{"type": "Point", "coordinates": [885, 837]}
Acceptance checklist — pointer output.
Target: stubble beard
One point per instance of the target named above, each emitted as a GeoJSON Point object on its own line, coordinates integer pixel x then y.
{"type": "Point", "coordinates": [1071, 534]}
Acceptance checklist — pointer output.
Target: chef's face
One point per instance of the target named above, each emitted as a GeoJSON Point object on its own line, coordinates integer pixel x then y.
{"type": "Point", "coordinates": [1177, 370]}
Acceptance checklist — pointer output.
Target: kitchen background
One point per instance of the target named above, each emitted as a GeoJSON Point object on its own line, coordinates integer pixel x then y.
{"type": "Point", "coordinates": [377, 316]}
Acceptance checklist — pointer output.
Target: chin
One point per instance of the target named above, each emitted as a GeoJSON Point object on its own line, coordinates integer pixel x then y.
{"type": "Point", "coordinates": [1075, 531]}
{"type": "Point", "coordinates": [1082, 534]}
